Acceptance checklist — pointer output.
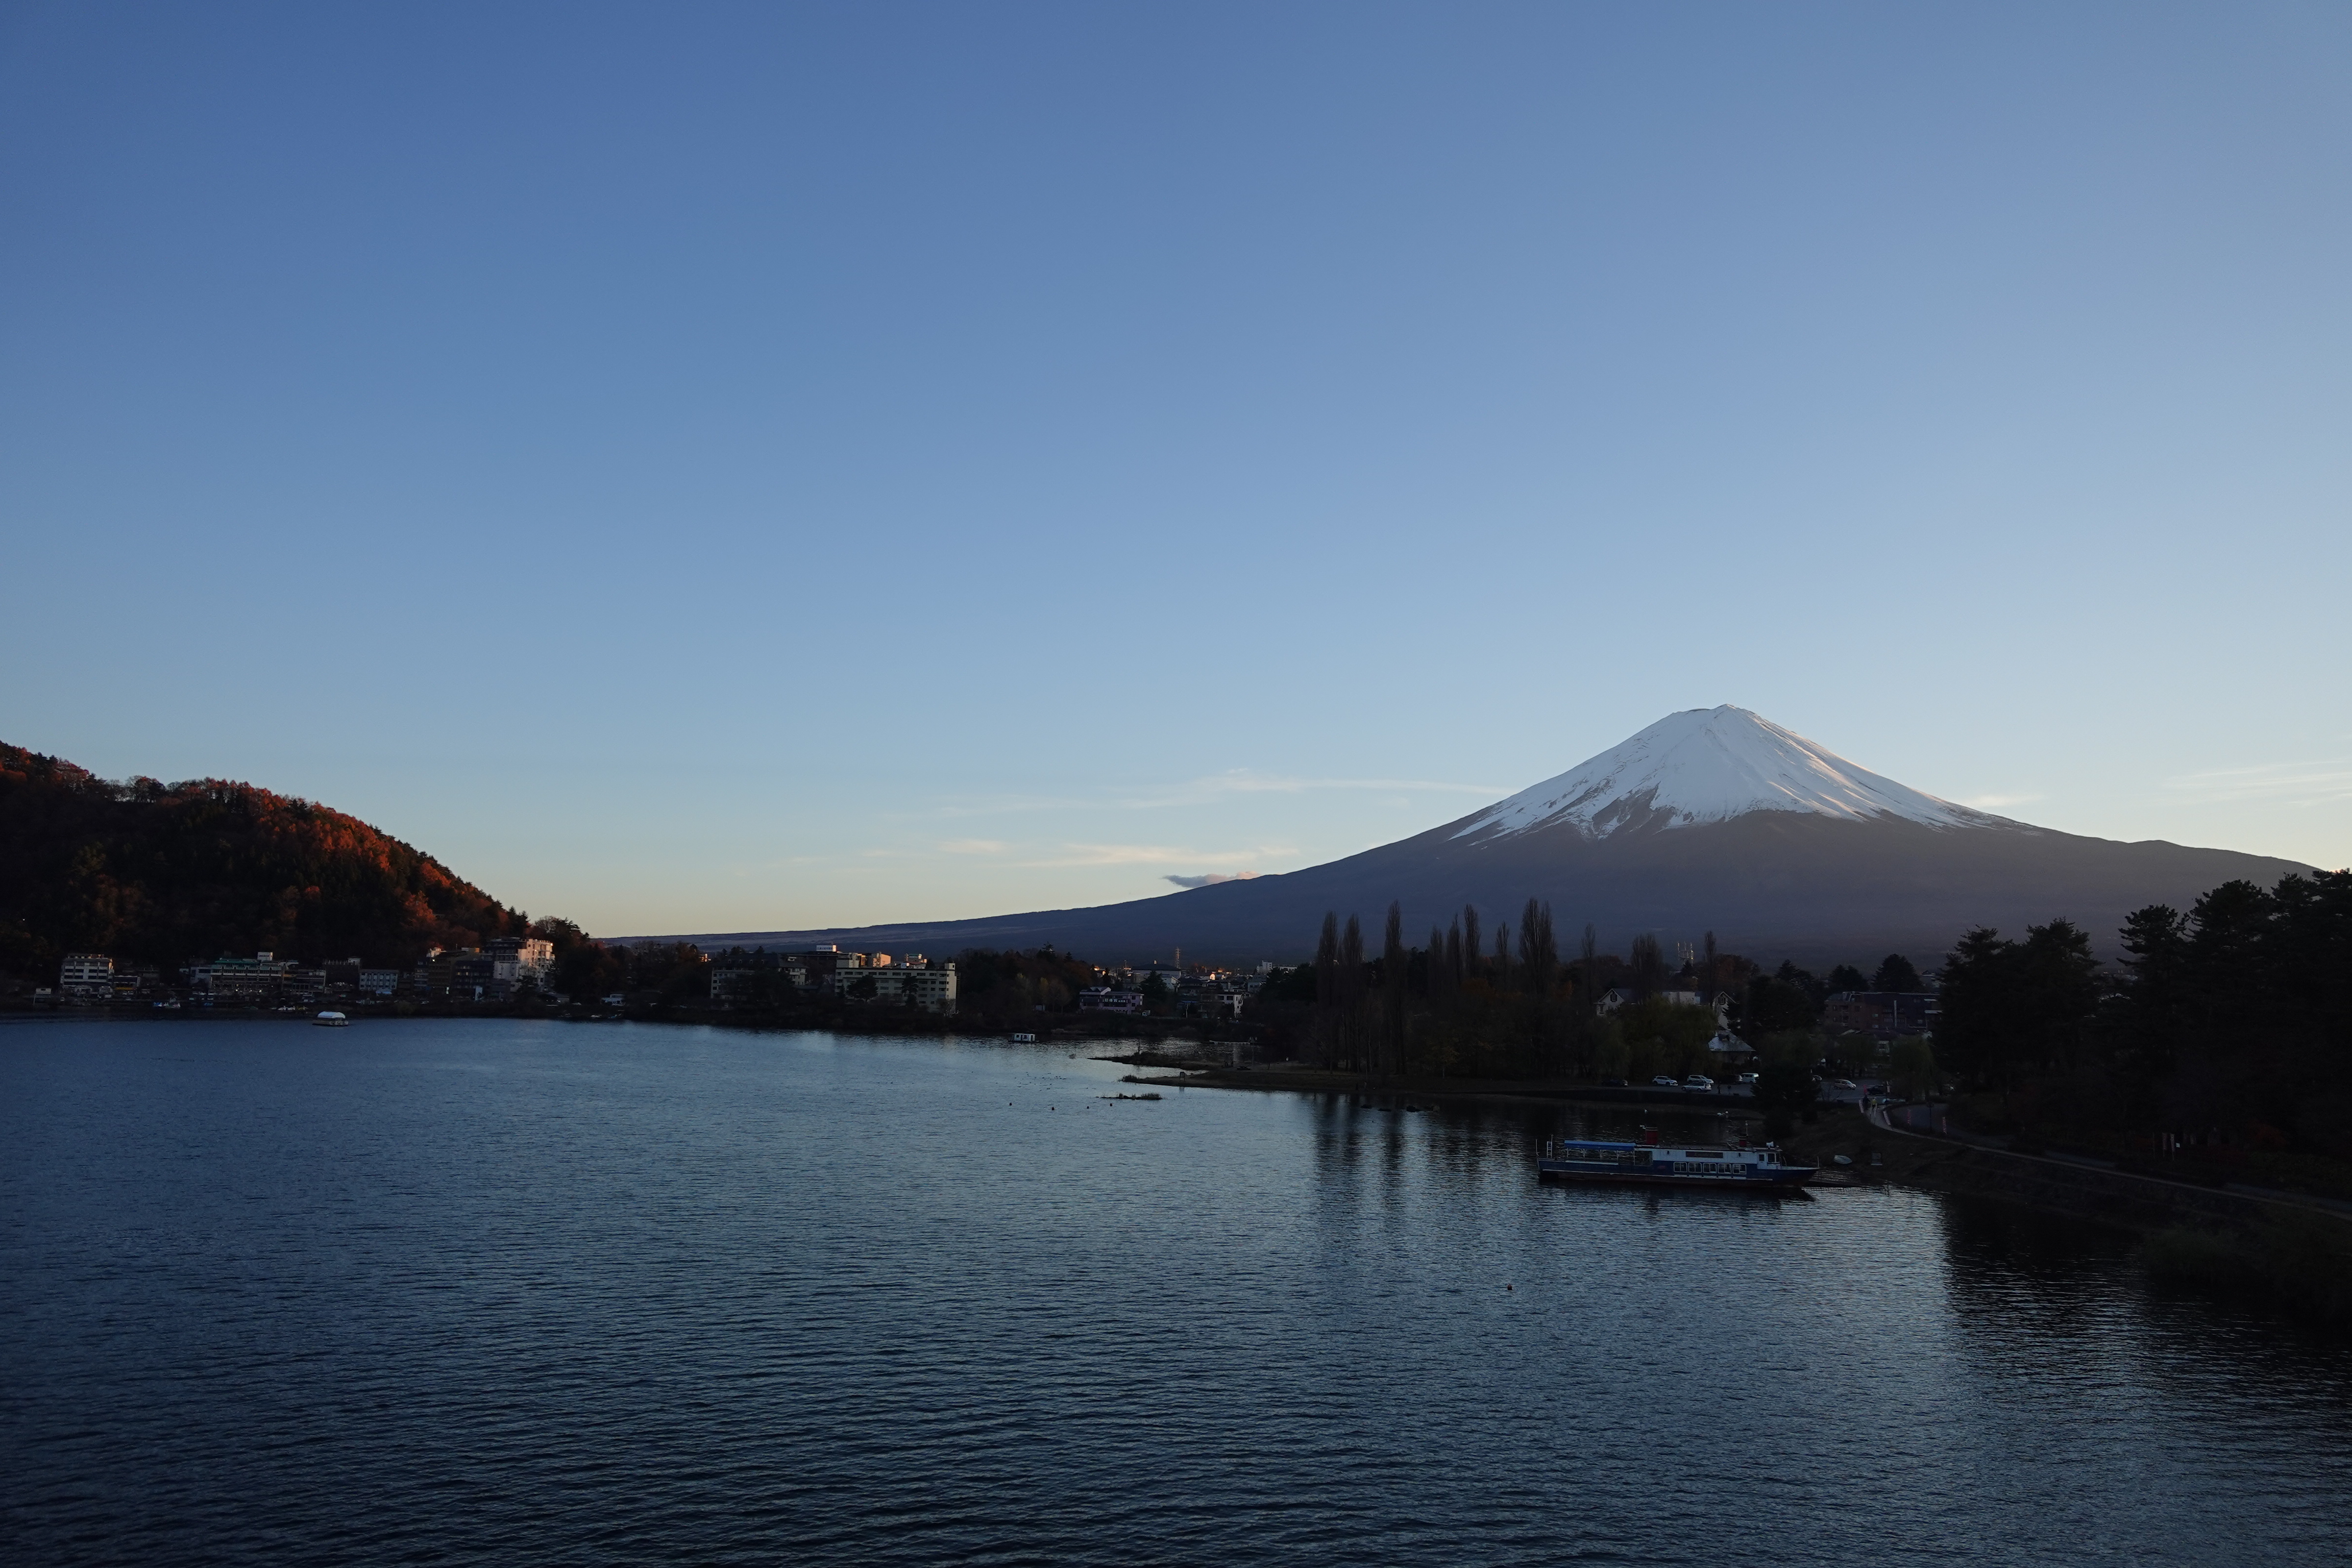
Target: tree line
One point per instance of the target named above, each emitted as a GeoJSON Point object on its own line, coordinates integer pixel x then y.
{"type": "Point", "coordinates": [2227, 1026]}
{"type": "Point", "coordinates": [1499, 1001]}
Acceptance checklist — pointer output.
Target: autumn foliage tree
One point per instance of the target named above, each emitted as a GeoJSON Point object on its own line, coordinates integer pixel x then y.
{"type": "Point", "coordinates": [161, 874]}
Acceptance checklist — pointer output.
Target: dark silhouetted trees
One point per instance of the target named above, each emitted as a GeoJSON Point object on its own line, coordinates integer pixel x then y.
{"type": "Point", "coordinates": [2007, 1007]}
{"type": "Point", "coordinates": [1394, 966]}
{"type": "Point", "coordinates": [1896, 973]}
{"type": "Point", "coordinates": [1351, 1033]}
{"type": "Point", "coordinates": [1647, 965]}
{"type": "Point", "coordinates": [1539, 953]}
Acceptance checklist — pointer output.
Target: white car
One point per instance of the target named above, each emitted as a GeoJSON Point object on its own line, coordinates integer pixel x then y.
{"type": "Point", "coordinates": [1698, 1081]}
{"type": "Point", "coordinates": [1748, 1077]}
{"type": "Point", "coordinates": [1663, 1082]}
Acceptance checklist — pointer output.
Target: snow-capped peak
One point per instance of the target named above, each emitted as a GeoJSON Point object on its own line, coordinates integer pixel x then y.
{"type": "Point", "coordinates": [1710, 764]}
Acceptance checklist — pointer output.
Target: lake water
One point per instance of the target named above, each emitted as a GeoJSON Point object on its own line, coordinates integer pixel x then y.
{"type": "Point", "coordinates": [487, 1291]}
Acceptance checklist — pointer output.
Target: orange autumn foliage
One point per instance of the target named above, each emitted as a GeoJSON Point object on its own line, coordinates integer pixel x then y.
{"type": "Point", "coordinates": [166, 874]}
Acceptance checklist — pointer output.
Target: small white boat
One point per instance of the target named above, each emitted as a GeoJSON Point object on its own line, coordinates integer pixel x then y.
{"type": "Point", "coordinates": [1024, 1039]}
{"type": "Point", "coordinates": [331, 1020]}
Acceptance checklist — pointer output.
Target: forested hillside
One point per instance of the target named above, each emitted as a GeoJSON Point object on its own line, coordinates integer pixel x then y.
{"type": "Point", "coordinates": [163, 874]}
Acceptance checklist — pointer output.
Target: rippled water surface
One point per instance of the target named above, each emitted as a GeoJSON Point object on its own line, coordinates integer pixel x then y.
{"type": "Point", "coordinates": [489, 1292]}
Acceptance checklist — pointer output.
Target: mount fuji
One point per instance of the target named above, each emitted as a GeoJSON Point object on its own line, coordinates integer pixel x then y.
{"type": "Point", "coordinates": [1712, 765]}
{"type": "Point", "coordinates": [1714, 819]}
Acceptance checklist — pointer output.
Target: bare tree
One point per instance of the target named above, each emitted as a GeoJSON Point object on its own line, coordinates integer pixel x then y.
{"type": "Point", "coordinates": [1440, 983]}
{"type": "Point", "coordinates": [1454, 973]}
{"type": "Point", "coordinates": [1471, 950]}
{"type": "Point", "coordinates": [1502, 957]}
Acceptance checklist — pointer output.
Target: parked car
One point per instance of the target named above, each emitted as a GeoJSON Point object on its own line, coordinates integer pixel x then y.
{"type": "Point", "coordinates": [1748, 1077]}
{"type": "Point", "coordinates": [1613, 1083]}
{"type": "Point", "coordinates": [1698, 1081]}
{"type": "Point", "coordinates": [1663, 1082]}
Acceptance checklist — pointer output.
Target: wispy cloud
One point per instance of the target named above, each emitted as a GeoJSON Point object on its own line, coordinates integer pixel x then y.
{"type": "Point", "coordinates": [1997, 802]}
{"type": "Point", "coordinates": [1210, 880]}
{"type": "Point", "coordinates": [1205, 789]}
{"type": "Point", "coordinates": [2275, 783]}
{"type": "Point", "coordinates": [972, 847]}
{"type": "Point", "coordinates": [1002, 805]}
{"type": "Point", "coordinates": [1242, 780]}
{"type": "Point", "coordinates": [1156, 855]}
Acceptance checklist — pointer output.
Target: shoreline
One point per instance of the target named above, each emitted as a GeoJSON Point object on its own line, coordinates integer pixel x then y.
{"type": "Point", "coordinates": [2144, 1204]}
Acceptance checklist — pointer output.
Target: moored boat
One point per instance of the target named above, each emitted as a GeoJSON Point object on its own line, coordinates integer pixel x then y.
{"type": "Point", "coordinates": [331, 1020]}
{"type": "Point", "coordinates": [1651, 1163]}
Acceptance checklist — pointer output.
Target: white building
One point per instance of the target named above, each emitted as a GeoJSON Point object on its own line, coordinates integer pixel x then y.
{"type": "Point", "coordinates": [1619, 997]}
{"type": "Point", "coordinates": [256, 979]}
{"type": "Point", "coordinates": [1103, 999]}
{"type": "Point", "coordinates": [931, 987]}
{"type": "Point", "coordinates": [87, 974]}
{"type": "Point", "coordinates": [523, 958]}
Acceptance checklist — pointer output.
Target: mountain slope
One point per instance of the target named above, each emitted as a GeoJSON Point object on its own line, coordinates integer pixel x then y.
{"type": "Point", "coordinates": [161, 874]}
{"type": "Point", "coordinates": [1711, 820]}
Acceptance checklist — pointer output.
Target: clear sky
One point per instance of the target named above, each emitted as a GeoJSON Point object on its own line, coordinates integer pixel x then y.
{"type": "Point", "coordinates": [708, 467]}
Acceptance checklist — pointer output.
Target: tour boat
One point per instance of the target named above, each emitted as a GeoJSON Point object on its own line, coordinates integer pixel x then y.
{"type": "Point", "coordinates": [331, 1021]}
{"type": "Point", "coordinates": [1680, 1164]}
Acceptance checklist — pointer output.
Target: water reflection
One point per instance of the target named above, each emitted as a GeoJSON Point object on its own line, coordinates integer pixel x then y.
{"type": "Point", "coordinates": [644, 1294]}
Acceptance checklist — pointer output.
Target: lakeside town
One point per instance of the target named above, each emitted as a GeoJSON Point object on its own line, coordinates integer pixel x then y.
{"type": "Point", "coordinates": [511, 969]}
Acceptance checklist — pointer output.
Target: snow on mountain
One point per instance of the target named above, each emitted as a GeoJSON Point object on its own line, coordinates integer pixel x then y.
{"type": "Point", "coordinates": [1710, 764]}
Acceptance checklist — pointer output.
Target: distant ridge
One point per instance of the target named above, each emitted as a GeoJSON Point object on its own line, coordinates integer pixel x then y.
{"type": "Point", "coordinates": [1710, 820]}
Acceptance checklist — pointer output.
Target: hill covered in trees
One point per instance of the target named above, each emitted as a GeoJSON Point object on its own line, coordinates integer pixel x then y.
{"type": "Point", "coordinates": [165, 873]}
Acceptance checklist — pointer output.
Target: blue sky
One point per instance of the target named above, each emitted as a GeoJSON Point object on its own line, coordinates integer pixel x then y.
{"type": "Point", "coordinates": [722, 467]}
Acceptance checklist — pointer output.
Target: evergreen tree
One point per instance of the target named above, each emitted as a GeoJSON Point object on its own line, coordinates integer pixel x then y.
{"type": "Point", "coordinates": [1896, 973]}
{"type": "Point", "coordinates": [2150, 1018]}
{"type": "Point", "coordinates": [1977, 1009]}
